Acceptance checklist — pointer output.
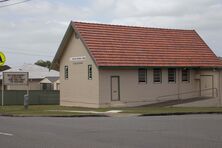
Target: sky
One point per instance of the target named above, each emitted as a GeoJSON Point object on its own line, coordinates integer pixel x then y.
{"type": "Point", "coordinates": [33, 30]}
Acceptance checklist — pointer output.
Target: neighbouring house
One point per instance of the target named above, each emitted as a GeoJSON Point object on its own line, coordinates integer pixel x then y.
{"type": "Point", "coordinates": [105, 65]}
{"type": "Point", "coordinates": [50, 83]}
{"type": "Point", "coordinates": [36, 76]}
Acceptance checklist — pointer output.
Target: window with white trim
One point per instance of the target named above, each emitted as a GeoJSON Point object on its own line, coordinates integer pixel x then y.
{"type": "Point", "coordinates": [66, 72]}
{"type": "Point", "coordinates": [185, 75]}
{"type": "Point", "coordinates": [157, 75]}
{"type": "Point", "coordinates": [142, 75]}
{"type": "Point", "coordinates": [172, 75]}
{"type": "Point", "coordinates": [89, 72]}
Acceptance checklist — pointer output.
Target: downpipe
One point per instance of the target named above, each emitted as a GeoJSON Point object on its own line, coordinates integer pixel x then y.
{"type": "Point", "coordinates": [220, 86]}
{"type": "Point", "coordinates": [178, 88]}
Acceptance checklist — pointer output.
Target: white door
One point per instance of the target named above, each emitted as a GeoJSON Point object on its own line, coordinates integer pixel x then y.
{"type": "Point", "coordinates": [206, 85]}
{"type": "Point", "coordinates": [115, 90]}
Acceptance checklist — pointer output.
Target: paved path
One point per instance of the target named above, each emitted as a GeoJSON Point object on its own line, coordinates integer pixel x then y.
{"type": "Point", "coordinates": [189, 131]}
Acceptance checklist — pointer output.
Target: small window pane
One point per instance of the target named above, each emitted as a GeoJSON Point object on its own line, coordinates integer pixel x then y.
{"type": "Point", "coordinates": [66, 72]}
{"type": "Point", "coordinates": [157, 75]}
{"type": "Point", "coordinates": [171, 75]}
{"type": "Point", "coordinates": [142, 73]}
{"type": "Point", "coordinates": [46, 86]}
{"type": "Point", "coordinates": [90, 72]}
{"type": "Point", "coordinates": [186, 75]}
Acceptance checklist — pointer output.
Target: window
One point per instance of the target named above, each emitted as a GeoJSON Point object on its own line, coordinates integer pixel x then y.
{"type": "Point", "coordinates": [157, 75]}
{"type": "Point", "coordinates": [142, 75]}
{"type": "Point", "coordinates": [89, 72]}
{"type": "Point", "coordinates": [66, 72]}
{"type": "Point", "coordinates": [171, 75]}
{"type": "Point", "coordinates": [185, 75]}
{"type": "Point", "coordinates": [46, 86]}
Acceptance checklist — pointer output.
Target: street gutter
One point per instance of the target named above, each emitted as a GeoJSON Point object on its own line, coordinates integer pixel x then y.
{"type": "Point", "coordinates": [178, 113]}
{"type": "Point", "coordinates": [114, 114]}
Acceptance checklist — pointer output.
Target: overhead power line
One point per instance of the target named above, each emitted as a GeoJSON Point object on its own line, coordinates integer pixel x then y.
{"type": "Point", "coordinates": [28, 51]}
{"type": "Point", "coordinates": [3, 1]}
{"type": "Point", "coordinates": [29, 54]}
{"type": "Point", "coordinates": [14, 3]}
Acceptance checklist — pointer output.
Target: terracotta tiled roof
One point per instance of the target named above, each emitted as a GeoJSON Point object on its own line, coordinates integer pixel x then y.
{"type": "Point", "coordinates": [114, 45]}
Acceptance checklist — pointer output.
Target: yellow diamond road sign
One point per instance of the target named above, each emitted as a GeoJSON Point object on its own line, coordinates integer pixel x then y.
{"type": "Point", "coordinates": [2, 59]}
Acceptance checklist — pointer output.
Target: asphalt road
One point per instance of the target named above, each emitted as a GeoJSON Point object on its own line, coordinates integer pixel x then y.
{"type": "Point", "coordinates": [189, 131]}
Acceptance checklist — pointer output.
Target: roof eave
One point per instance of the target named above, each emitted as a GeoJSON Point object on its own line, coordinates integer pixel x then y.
{"type": "Point", "coordinates": [161, 66]}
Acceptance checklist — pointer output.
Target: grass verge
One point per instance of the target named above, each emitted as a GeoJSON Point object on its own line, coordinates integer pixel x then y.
{"type": "Point", "coordinates": [172, 110]}
{"type": "Point", "coordinates": [45, 110]}
{"type": "Point", "coordinates": [55, 110]}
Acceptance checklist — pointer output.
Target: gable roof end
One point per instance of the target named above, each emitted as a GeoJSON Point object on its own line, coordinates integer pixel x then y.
{"type": "Point", "coordinates": [57, 57]}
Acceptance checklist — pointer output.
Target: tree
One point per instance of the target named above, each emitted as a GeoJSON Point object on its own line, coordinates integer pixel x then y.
{"type": "Point", "coordinates": [44, 63]}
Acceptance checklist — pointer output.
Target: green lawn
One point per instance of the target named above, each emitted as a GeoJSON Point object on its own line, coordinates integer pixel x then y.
{"type": "Point", "coordinates": [44, 110]}
{"type": "Point", "coordinates": [55, 110]}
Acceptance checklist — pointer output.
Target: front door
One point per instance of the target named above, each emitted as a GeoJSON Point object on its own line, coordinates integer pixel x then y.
{"type": "Point", "coordinates": [206, 85]}
{"type": "Point", "coordinates": [115, 90]}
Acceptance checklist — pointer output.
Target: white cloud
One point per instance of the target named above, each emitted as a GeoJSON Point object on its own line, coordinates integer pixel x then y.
{"type": "Point", "coordinates": [205, 16]}
{"type": "Point", "coordinates": [38, 26]}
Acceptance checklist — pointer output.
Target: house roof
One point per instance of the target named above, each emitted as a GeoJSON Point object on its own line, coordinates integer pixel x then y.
{"type": "Point", "coordinates": [116, 45]}
{"type": "Point", "coordinates": [35, 71]}
{"type": "Point", "coordinates": [50, 79]}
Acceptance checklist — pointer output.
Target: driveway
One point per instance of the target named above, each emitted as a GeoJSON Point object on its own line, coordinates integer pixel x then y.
{"type": "Point", "coordinates": [189, 131]}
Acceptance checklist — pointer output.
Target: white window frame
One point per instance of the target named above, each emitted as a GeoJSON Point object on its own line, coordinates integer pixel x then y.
{"type": "Point", "coordinates": [157, 73]}
{"type": "Point", "coordinates": [187, 75]}
{"type": "Point", "coordinates": [142, 74]}
{"type": "Point", "coordinates": [172, 75]}
{"type": "Point", "coordinates": [66, 72]}
{"type": "Point", "coordinates": [90, 72]}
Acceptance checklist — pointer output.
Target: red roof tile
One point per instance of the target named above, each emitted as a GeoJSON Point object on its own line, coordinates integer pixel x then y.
{"type": "Point", "coordinates": [114, 45]}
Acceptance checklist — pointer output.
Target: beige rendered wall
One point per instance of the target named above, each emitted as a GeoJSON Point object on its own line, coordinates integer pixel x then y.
{"type": "Point", "coordinates": [133, 93]}
{"type": "Point", "coordinates": [55, 86]}
{"type": "Point", "coordinates": [215, 101]}
{"type": "Point", "coordinates": [78, 90]}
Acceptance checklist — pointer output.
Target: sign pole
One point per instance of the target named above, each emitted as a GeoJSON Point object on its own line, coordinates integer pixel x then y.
{"type": "Point", "coordinates": [28, 86]}
{"type": "Point", "coordinates": [28, 89]}
{"type": "Point", "coordinates": [2, 89]}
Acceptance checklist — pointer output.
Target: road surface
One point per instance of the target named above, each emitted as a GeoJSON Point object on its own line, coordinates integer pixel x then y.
{"type": "Point", "coordinates": [189, 131]}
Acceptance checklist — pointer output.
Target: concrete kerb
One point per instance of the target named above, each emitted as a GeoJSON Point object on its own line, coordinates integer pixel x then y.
{"type": "Point", "coordinates": [179, 113]}
{"type": "Point", "coordinates": [63, 116]}
{"type": "Point", "coordinates": [87, 112]}
{"type": "Point", "coordinates": [114, 114]}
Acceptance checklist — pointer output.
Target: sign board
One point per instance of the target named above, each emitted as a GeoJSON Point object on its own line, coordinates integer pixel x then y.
{"type": "Point", "coordinates": [78, 59]}
{"type": "Point", "coordinates": [15, 78]}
